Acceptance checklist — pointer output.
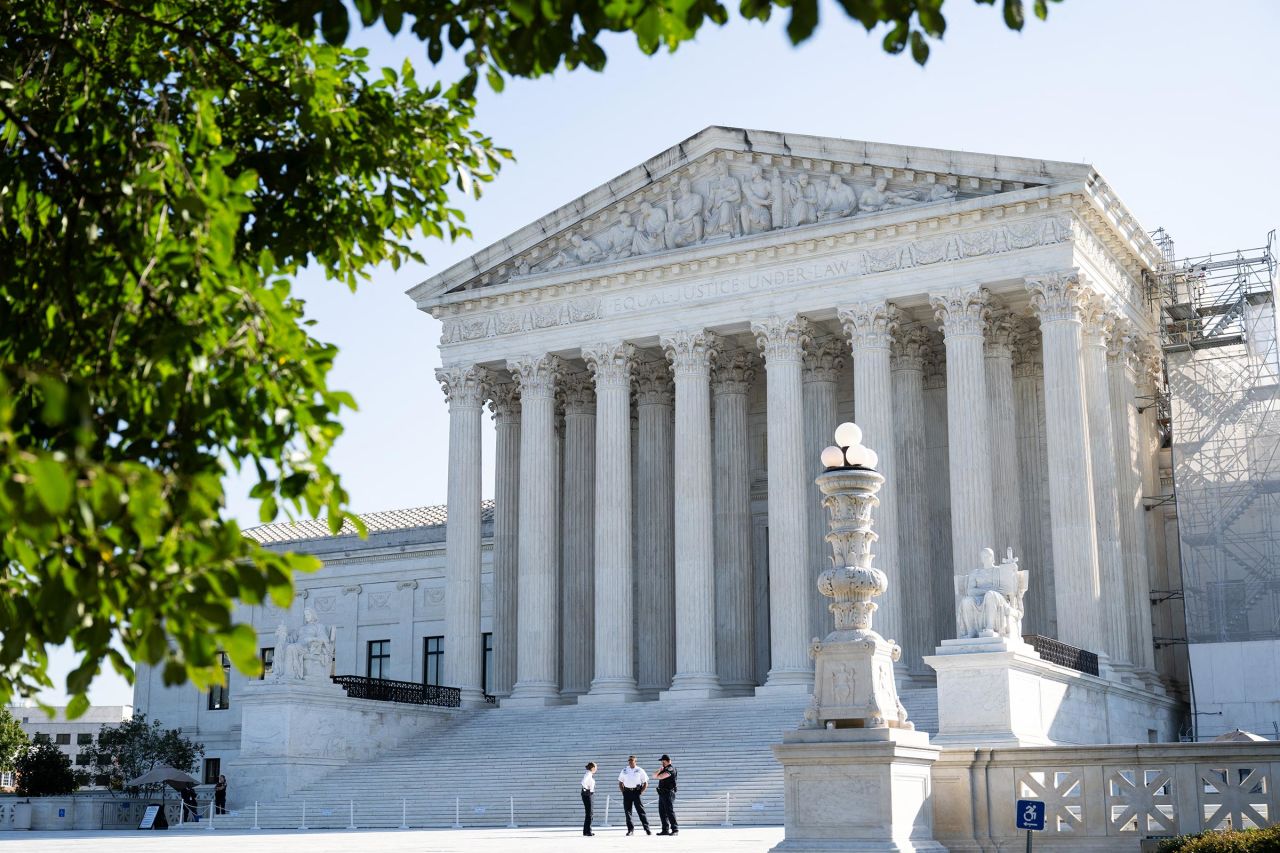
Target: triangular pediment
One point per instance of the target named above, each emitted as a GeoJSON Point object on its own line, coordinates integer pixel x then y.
{"type": "Point", "coordinates": [727, 184]}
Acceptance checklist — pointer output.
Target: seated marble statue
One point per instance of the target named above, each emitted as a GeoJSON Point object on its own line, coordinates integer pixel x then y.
{"type": "Point", "coordinates": [309, 656]}
{"type": "Point", "coordinates": [989, 598]}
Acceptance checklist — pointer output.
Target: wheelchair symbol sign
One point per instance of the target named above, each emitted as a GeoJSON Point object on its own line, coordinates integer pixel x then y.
{"type": "Point", "coordinates": [1030, 814]}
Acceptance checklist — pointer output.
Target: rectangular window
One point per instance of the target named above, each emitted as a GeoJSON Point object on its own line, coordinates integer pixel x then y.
{"type": "Point", "coordinates": [41, 737]}
{"type": "Point", "coordinates": [268, 656]}
{"type": "Point", "coordinates": [212, 767]}
{"type": "Point", "coordinates": [220, 695]}
{"type": "Point", "coordinates": [432, 659]}
{"type": "Point", "coordinates": [379, 659]}
{"type": "Point", "coordinates": [84, 738]}
{"type": "Point", "coordinates": [486, 665]}
{"type": "Point", "coordinates": [63, 739]}
{"type": "Point", "coordinates": [82, 760]}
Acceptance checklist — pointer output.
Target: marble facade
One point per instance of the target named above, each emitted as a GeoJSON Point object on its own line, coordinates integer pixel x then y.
{"type": "Point", "coordinates": [694, 325]}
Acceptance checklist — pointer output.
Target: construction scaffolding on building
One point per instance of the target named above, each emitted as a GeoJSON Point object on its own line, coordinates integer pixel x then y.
{"type": "Point", "coordinates": [1219, 333]}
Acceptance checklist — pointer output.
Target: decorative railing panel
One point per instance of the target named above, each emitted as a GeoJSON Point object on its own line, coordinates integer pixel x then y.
{"type": "Point", "coordinates": [408, 692]}
{"type": "Point", "coordinates": [1056, 651]}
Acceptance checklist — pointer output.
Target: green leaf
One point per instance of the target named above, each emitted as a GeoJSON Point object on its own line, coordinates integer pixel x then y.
{"type": "Point", "coordinates": [1013, 14]}
{"type": "Point", "coordinates": [52, 485]}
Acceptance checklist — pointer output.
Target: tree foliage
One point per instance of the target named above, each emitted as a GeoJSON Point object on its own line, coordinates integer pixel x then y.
{"type": "Point", "coordinates": [127, 750]}
{"type": "Point", "coordinates": [43, 770]}
{"type": "Point", "coordinates": [12, 740]}
{"type": "Point", "coordinates": [166, 168]}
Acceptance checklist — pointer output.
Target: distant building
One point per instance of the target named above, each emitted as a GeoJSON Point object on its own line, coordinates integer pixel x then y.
{"type": "Point", "coordinates": [73, 737]}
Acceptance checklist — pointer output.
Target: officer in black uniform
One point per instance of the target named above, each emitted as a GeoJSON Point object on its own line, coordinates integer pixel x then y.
{"type": "Point", "coordinates": [667, 797]}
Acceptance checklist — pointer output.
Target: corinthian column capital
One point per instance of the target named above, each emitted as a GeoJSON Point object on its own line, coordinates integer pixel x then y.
{"type": "Point", "coordinates": [734, 372]}
{"type": "Point", "coordinates": [782, 338]}
{"type": "Point", "coordinates": [1099, 319]}
{"type": "Point", "coordinates": [1027, 356]}
{"type": "Point", "coordinates": [464, 387]}
{"type": "Point", "coordinates": [579, 393]}
{"type": "Point", "coordinates": [911, 346]}
{"type": "Point", "coordinates": [824, 358]}
{"type": "Point", "coordinates": [653, 384]}
{"type": "Point", "coordinates": [870, 325]}
{"type": "Point", "coordinates": [1059, 295]}
{"type": "Point", "coordinates": [537, 375]}
{"type": "Point", "coordinates": [611, 364]}
{"type": "Point", "coordinates": [961, 311]}
{"type": "Point", "coordinates": [691, 351]}
{"type": "Point", "coordinates": [504, 401]}
{"type": "Point", "coordinates": [999, 334]}
{"type": "Point", "coordinates": [1122, 344]}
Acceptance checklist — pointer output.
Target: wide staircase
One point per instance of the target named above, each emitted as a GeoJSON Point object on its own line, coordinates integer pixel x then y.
{"type": "Point", "coordinates": [477, 769]}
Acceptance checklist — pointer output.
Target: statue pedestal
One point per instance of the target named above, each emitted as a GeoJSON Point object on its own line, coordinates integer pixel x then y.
{"type": "Point", "coordinates": [857, 790]}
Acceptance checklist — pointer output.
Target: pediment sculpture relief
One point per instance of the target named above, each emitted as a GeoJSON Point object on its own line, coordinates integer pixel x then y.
{"type": "Point", "coordinates": [724, 205]}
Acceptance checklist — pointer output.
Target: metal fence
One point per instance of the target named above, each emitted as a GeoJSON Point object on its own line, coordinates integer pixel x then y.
{"type": "Point", "coordinates": [408, 692]}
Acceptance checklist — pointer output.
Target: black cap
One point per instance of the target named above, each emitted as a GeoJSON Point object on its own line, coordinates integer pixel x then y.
{"type": "Point", "coordinates": [665, 758]}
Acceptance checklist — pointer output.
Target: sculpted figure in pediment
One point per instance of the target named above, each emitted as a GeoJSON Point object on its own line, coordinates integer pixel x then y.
{"type": "Point", "coordinates": [757, 216]}
{"type": "Point", "coordinates": [804, 201]}
{"type": "Point", "coordinates": [685, 227]}
{"type": "Point", "coordinates": [838, 201]}
{"type": "Point", "coordinates": [939, 192]}
{"type": "Point", "coordinates": [880, 197]}
{"type": "Point", "coordinates": [651, 230]}
{"type": "Point", "coordinates": [618, 239]}
{"type": "Point", "coordinates": [581, 251]}
{"type": "Point", "coordinates": [725, 200]}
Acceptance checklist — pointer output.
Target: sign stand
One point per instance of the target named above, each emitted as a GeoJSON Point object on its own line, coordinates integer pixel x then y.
{"type": "Point", "coordinates": [1030, 817]}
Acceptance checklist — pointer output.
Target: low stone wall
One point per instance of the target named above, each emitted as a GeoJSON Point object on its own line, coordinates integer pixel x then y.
{"type": "Point", "coordinates": [83, 811]}
{"type": "Point", "coordinates": [1103, 798]}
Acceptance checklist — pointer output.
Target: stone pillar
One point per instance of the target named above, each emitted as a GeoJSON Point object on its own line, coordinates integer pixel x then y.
{"type": "Point", "coordinates": [939, 460]}
{"type": "Point", "coordinates": [906, 363]}
{"type": "Point", "coordinates": [1162, 571]}
{"type": "Point", "coordinates": [655, 555]}
{"type": "Point", "coordinates": [1059, 300]}
{"type": "Point", "coordinates": [870, 327]}
{"type": "Point", "coordinates": [691, 354]}
{"type": "Point", "coordinates": [1006, 503]}
{"type": "Point", "coordinates": [614, 667]}
{"type": "Point", "coordinates": [823, 360]}
{"type": "Point", "coordinates": [537, 675]}
{"type": "Point", "coordinates": [782, 340]}
{"type": "Point", "coordinates": [962, 314]}
{"type": "Point", "coordinates": [464, 389]}
{"type": "Point", "coordinates": [505, 406]}
{"type": "Point", "coordinates": [1033, 475]}
{"type": "Point", "coordinates": [1126, 427]}
{"type": "Point", "coordinates": [577, 656]}
{"type": "Point", "coordinates": [1099, 319]}
{"type": "Point", "coordinates": [735, 617]}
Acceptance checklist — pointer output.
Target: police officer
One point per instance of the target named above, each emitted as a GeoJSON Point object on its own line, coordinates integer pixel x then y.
{"type": "Point", "coordinates": [631, 782]}
{"type": "Point", "coordinates": [667, 797]}
{"type": "Point", "coordinates": [588, 794]}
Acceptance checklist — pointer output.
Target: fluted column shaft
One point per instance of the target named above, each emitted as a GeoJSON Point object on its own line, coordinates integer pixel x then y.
{"type": "Point", "coordinates": [577, 623]}
{"type": "Point", "coordinates": [870, 328]}
{"type": "Point", "coordinates": [614, 668]}
{"type": "Point", "coordinates": [1033, 473]}
{"type": "Point", "coordinates": [1059, 301]}
{"type": "Point", "coordinates": [1006, 504]}
{"type": "Point", "coordinates": [506, 535]}
{"type": "Point", "coordinates": [537, 677]}
{"type": "Point", "coordinates": [919, 636]}
{"type": "Point", "coordinates": [691, 355]}
{"type": "Point", "coordinates": [781, 340]}
{"type": "Point", "coordinates": [962, 314]}
{"type": "Point", "coordinates": [464, 388]}
{"type": "Point", "coordinates": [823, 360]}
{"type": "Point", "coordinates": [655, 554]}
{"type": "Point", "coordinates": [735, 617]}
{"type": "Point", "coordinates": [1096, 329]}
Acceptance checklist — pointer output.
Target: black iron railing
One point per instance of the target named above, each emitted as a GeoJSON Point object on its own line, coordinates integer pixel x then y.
{"type": "Point", "coordinates": [409, 692]}
{"type": "Point", "coordinates": [1056, 651]}
{"type": "Point", "coordinates": [490, 699]}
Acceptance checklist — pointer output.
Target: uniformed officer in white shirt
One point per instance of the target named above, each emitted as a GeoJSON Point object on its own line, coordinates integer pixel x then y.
{"type": "Point", "coordinates": [631, 782]}
{"type": "Point", "coordinates": [588, 793]}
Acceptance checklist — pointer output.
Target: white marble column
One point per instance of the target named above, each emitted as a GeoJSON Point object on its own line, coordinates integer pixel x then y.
{"type": "Point", "coordinates": [691, 354]}
{"type": "Point", "coordinates": [1162, 570]}
{"type": "Point", "coordinates": [939, 461]}
{"type": "Point", "coordinates": [1059, 300]}
{"type": "Point", "coordinates": [782, 340]}
{"type": "Point", "coordinates": [962, 315]}
{"type": "Point", "coordinates": [1006, 501]}
{"type": "Point", "coordinates": [1099, 319]}
{"type": "Point", "coordinates": [1033, 476]}
{"type": "Point", "coordinates": [735, 617]}
{"type": "Point", "coordinates": [655, 555]}
{"type": "Point", "coordinates": [1126, 427]}
{"type": "Point", "coordinates": [505, 405]}
{"type": "Point", "coordinates": [464, 389]}
{"type": "Point", "coordinates": [614, 667]}
{"type": "Point", "coordinates": [870, 327]}
{"type": "Point", "coordinates": [919, 636]}
{"type": "Point", "coordinates": [577, 599]}
{"type": "Point", "coordinates": [537, 675]}
{"type": "Point", "coordinates": [824, 358]}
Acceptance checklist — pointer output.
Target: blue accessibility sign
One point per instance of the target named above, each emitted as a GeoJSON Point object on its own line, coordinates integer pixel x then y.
{"type": "Point", "coordinates": [1030, 814]}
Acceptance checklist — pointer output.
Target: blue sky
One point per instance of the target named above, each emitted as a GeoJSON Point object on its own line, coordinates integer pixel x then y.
{"type": "Point", "coordinates": [1175, 102]}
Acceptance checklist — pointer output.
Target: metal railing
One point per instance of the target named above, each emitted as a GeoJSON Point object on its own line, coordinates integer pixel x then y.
{"type": "Point", "coordinates": [408, 692]}
{"type": "Point", "coordinates": [1056, 651]}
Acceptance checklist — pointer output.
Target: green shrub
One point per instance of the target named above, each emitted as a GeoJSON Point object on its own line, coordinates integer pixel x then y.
{"type": "Point", "coordinates": [1266, 840]}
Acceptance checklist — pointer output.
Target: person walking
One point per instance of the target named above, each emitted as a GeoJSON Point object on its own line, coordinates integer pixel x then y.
{"type": "Point", "coordinates": [667, 797]}
{"type": "Point", "coordinates": [220, 795]}
{"type": "Point", "coordinates": [631, 782]}
{"type": "Point", "coordinates": [588, 794]}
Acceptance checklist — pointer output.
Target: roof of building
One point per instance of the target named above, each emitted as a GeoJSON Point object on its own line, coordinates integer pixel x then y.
{"type": "Point", "coordinates": [374, 522]}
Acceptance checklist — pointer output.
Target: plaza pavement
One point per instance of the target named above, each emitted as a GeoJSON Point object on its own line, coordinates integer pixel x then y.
{"type": "Point", "coordinates": [532, 840]}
